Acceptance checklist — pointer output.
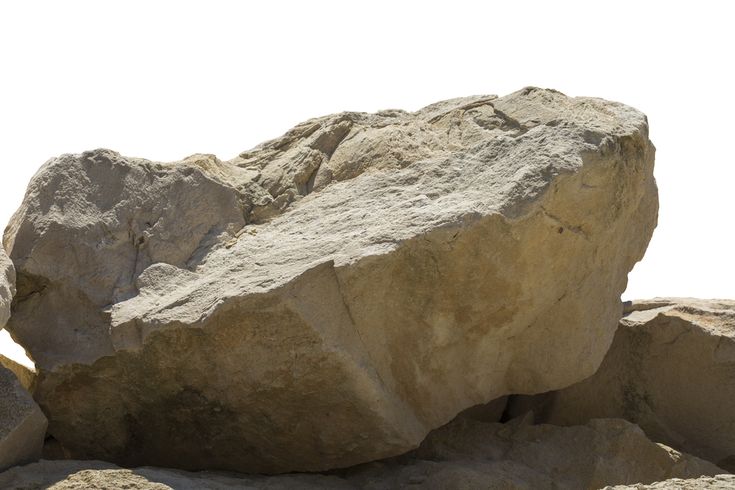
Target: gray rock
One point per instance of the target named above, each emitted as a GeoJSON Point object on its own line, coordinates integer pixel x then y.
{"type": "Point", "coordinates": [671, 370]}
{"type": "Point", "coordinates": [330, 296]}
{"type": "Point", "coordinates": [466, 454]}
{"type": "Point", "coordinates": [7, 286]}
{"type": "Point", "coordinates": [22, 424]}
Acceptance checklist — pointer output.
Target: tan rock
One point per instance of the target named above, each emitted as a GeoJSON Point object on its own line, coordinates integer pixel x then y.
{"type": "Point", "coordinates": [22, 424]}
{"type": "Point", "coordinates": [98, 475]}
{"type": "Point", "coordinates": [466, 454]}
{"type": "Point", "coordinates": [14, 358]}
{"type": "Point", "coordinates": [330, 296]}
{"type": "Point", "coordinates": [24, 374]}
{"type": "Point", "coordinates": [10, 357]}
{"type": "Point", "coordinates": [7, 286]}
{"type": "Point", "coordinates": [718, 482]}
{"type": "Point", "coordinates": [671, 370]}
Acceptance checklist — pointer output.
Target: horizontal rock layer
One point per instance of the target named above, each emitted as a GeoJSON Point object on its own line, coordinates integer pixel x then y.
{"type": "Point", "coordinates": [463, 455]}
{"type": "Point", "coordinates": [330, 296]}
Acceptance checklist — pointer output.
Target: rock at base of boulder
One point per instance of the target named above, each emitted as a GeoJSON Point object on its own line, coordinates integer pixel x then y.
{"type": "Point", "coordinates": [671, 370]}
{"type": "Point", "coordinates": [464, 454]}
{"type": "Point", "coordinates": [22, 424]}
{"type": "Point", "coordinates": [718, 482]}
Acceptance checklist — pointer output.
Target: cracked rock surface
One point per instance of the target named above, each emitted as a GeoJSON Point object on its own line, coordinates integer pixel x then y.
{"type": "Point", "coordinates": [22, 424]}
{"type": "Point", "coordinates": [7, 286]}
{"type": "Point", "coordinates": [332, 295]}
{"type": "Point", "coordinates": [465, 454]}
{"type": "Point", "coordinates": [669, 370]}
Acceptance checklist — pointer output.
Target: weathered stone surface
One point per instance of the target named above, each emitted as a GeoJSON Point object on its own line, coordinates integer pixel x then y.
{"type": "Point", "coordinates": [22, 424]}
{"type": "Point", "coordinates": [465, 454]}
{"type": "Point", "coordinates": [332, 295]}
{"type": "Point", "coordinates": [671, 370]}
{"type": "Point", "coordinates": [7, 286]}
{"type": "Point", "coordinates": [718, 482]}
{"type": "Point", "coordinates": [24, 374]}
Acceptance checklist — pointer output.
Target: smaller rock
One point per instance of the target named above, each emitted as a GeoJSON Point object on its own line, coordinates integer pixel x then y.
{"type": "Point", "coordinates": [14, 357]}
{"type": "Point", "coordinates": [670, 369]}
{"type": "Point", "coordinates": [22, 424]}
{"type": "Point", "coordinates": [99, 475]}
{"type": "Point", "coordinates": [718, 482]}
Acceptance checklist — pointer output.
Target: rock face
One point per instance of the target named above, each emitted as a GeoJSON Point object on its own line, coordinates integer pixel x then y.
{"type": "Point", "coordinates": [22, 424]}
{"type": "Point", "coordinates": [671, 370]}
{"type": "Point", "coordinates": [7, 286]}
{"type": "Point", "coordinates": [463, 455]}
{"type": "Point", "coordinates": [330, 296]}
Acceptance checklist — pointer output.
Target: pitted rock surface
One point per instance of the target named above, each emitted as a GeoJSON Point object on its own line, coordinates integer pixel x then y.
{"type": "Point", "coordinates": [330, 296]}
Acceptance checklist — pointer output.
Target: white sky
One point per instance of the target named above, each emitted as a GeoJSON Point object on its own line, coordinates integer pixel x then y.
{"type": "Point", "coordinates": [166, 79]}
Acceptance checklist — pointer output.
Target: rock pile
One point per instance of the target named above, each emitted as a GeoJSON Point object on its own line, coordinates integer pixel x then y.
{"type": "Point", "coordinates": [334, 297]}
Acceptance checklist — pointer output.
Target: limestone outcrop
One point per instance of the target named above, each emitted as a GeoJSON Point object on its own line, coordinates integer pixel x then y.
{"type": "Point", "coordinates": [671, 370]}
{"type": "Point", "coordinates": [330, 296]}
{"type": "Point", "coordinates": [465, 454]}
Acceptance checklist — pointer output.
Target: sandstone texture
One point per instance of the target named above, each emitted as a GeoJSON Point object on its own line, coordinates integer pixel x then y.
{"type": "Point", "coordinates": [718, 482]}
{"type": "Point", "coordinates": [330, 296]}
{"type": "Point", "coordinates": [7, 286]}
{"type": "Point", "coordinates": [465, 454]}
{"type": "Point", "coordinates": [671, 370]}
{"type": "Point", "coordinates": [22, 424]}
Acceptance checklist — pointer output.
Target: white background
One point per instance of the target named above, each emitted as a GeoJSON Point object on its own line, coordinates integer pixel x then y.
{"type": "Point", "coordinates": [163, 80]}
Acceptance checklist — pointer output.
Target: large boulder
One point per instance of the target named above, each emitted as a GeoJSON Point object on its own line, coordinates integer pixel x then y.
{"type": "Point", "coordinates": [671, 370]}
{"type": "Point", "coordinates": [22, 424]}
{"type": "Point", "coordinates": [330, 296]}
{"type": "Point", "coordinates": [464, 455]}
